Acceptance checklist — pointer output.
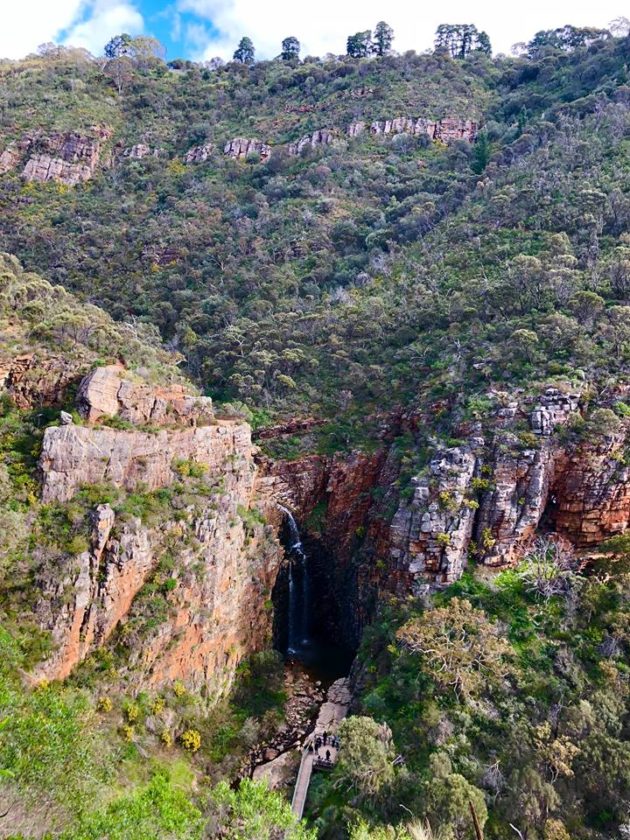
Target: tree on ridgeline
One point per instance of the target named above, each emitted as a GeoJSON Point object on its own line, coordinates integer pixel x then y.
{"type": "Point", "coordinates": [118, 45]}
{"type": "Point", "coordinates": [290, 49]}
{"type": "Point", "coordinates": [619, 27]}
{"type": "Point", "coordinates": [565, 38]}
{"type": "Point", "coordinates": [142, 50]}
{"type": "Point", "coordinates": [245, 51]}
{"type": "Point", "coordinates": [383, 37]}
{"type": "Point", "coordinates": [359, 45]}
{"type": "Point", "coordinates": [461, 39]}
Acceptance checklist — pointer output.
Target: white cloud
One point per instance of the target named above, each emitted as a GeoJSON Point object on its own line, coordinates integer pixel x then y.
{"type": "Point", "coordinates": [323, 26]}
{"type": "Point", "coordinates": [83, 23]}
{"type": "Point", "coordinates": [27, 24]}
{"type": "Point", "coordinates": [106, 19]}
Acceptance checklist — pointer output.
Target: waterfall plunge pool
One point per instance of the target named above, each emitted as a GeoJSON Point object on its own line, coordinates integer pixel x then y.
{"type": "Point", "coordinates": [302, 631]}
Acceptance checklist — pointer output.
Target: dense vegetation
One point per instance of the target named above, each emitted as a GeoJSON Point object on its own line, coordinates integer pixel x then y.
{"type": "Point", "coordinates": [376, 272]}
{"type": "Point", "coordinates": [94, 757]}
{"type": "Point", "coordinates": [372, 273]}
{"type": "Point", "coordinates": [511, 694]}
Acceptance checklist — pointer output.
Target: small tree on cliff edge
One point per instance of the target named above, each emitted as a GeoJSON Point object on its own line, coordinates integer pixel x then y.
{"type": "Point", "coordinates": [244, 53]}
{"type": "Point", "coordinates": [290, 49]}
{"type": "Point", "coordinates": [383, 37]}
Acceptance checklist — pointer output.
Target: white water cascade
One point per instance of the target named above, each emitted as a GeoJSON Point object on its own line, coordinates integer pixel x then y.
{"type": "Point", "coordinates": [298, 635]}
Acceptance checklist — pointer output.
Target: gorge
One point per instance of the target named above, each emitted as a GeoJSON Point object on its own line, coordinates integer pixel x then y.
{"type": "Point", "coordinates": [315, 411]}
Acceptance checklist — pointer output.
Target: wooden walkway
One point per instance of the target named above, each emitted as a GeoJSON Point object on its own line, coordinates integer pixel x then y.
{"type": "Point", "coordinates": [301, 786]}
{"type": "Point", "coordinates": [330, 716]}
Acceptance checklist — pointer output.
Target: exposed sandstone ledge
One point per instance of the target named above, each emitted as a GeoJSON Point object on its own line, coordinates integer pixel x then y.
{"type": "Point", "coordinates": [73, 456]}
{"type": "Point", "coordinates": [67, 157]}
{"type": "Point", "coordinates": [447, 130]}
{"type": "Point", "coordinates": [198, 154]}
{"type": "Point", "coordinates": [11, 157]}
{"type": "Point", "coordinates": [242, 147]}
{"type": "Point", "coordinates": [110, 391]}
{"type": "Point", "coordinates": [141, 150]}
{"type": "Point", "coordinates": [321, 137]}
{"type": "Point", "coordinates": [36, 380]}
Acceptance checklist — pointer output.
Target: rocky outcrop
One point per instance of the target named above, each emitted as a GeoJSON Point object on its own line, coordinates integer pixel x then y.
{"type": "Point", "coordinates": [37, 380]}
{"type": "Point", "coordinates": [73, 456]}
{"type": "Point", "coordinates": [451, 129]}
{"type": "Point", "coordinates": [431, 534]}
{"type": "Point", "coordinates": [590, 493]}
{"type": "Point", "coordinates": [242, 147]}
{"type": "Point", "coordinates": [111, 392]}
{"type": "Point", "coordinates": [446, 130]}
{"type": "Point", "coordinates": [321, 137]}
{"type": "Point", "coordinates": [139, 151]}
{"type": "Point", "coordinates": [198, 154]}
{"type": "Point", "coordinates": [223, 560]}
{"type": "Point", "coordinates": [553, 410]}
{"type": "Point", "coordinates": [11, 157]}
{"type": "Point", "coordinates": [70, 158]}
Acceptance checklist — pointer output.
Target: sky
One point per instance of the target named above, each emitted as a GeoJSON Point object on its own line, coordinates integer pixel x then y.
{"type": "Point", "coordinates": [202, 29]}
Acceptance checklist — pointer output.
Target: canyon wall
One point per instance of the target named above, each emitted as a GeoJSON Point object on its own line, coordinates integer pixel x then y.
{"type": "Point", "coordinates": [183, 505]}
{"type": "Point", "coordinates": [532, 467]}
{"type": "Point", "coordinates": [204, 547]}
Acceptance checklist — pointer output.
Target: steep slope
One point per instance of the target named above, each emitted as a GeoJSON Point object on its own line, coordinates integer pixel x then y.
{"type": "Point", "coordinates": [415, 271]}
{"type": "Point", "coordinates": [130, 543]}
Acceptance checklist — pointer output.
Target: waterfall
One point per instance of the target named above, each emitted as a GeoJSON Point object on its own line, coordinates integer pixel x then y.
{"type": "Point", "coordinates": [299, 594]}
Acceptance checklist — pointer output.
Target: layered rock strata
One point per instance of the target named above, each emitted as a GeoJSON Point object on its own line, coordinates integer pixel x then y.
{"type": "Point", "coordinates": [223, 560]}
{"type": "Point", "coordinates": [242, 147]}
{"type": "Point", "coordinates": [67, 157]}
{"type": "Point", "coordinates": [447, 130]}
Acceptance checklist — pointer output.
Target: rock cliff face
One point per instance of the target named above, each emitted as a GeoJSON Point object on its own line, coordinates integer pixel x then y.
{"type": "Point", "coordinates": [222, 559]}
{"type": "Point", "coordinates": [36, 380]}
{"type": "Point", "coordinates": [242, 147]}
{"type": "Point", "coordinates": [321, 137]}
{"type": "Point", "coordinates": [198, 154]}
{"type": "Point", "coordinates": [446, 131]}
{"type": "Point", "coordinates": [69, 158]}
{"type": "Point", "coordinates": [514, 476]}
{"type": "Point", "coordinates": [109, 392]}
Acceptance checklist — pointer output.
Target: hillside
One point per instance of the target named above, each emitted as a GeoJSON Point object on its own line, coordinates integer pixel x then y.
{"type": "Point", "coordinates": [409, 276]}
{"type": "Point", "coordinates": [324, 269]}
